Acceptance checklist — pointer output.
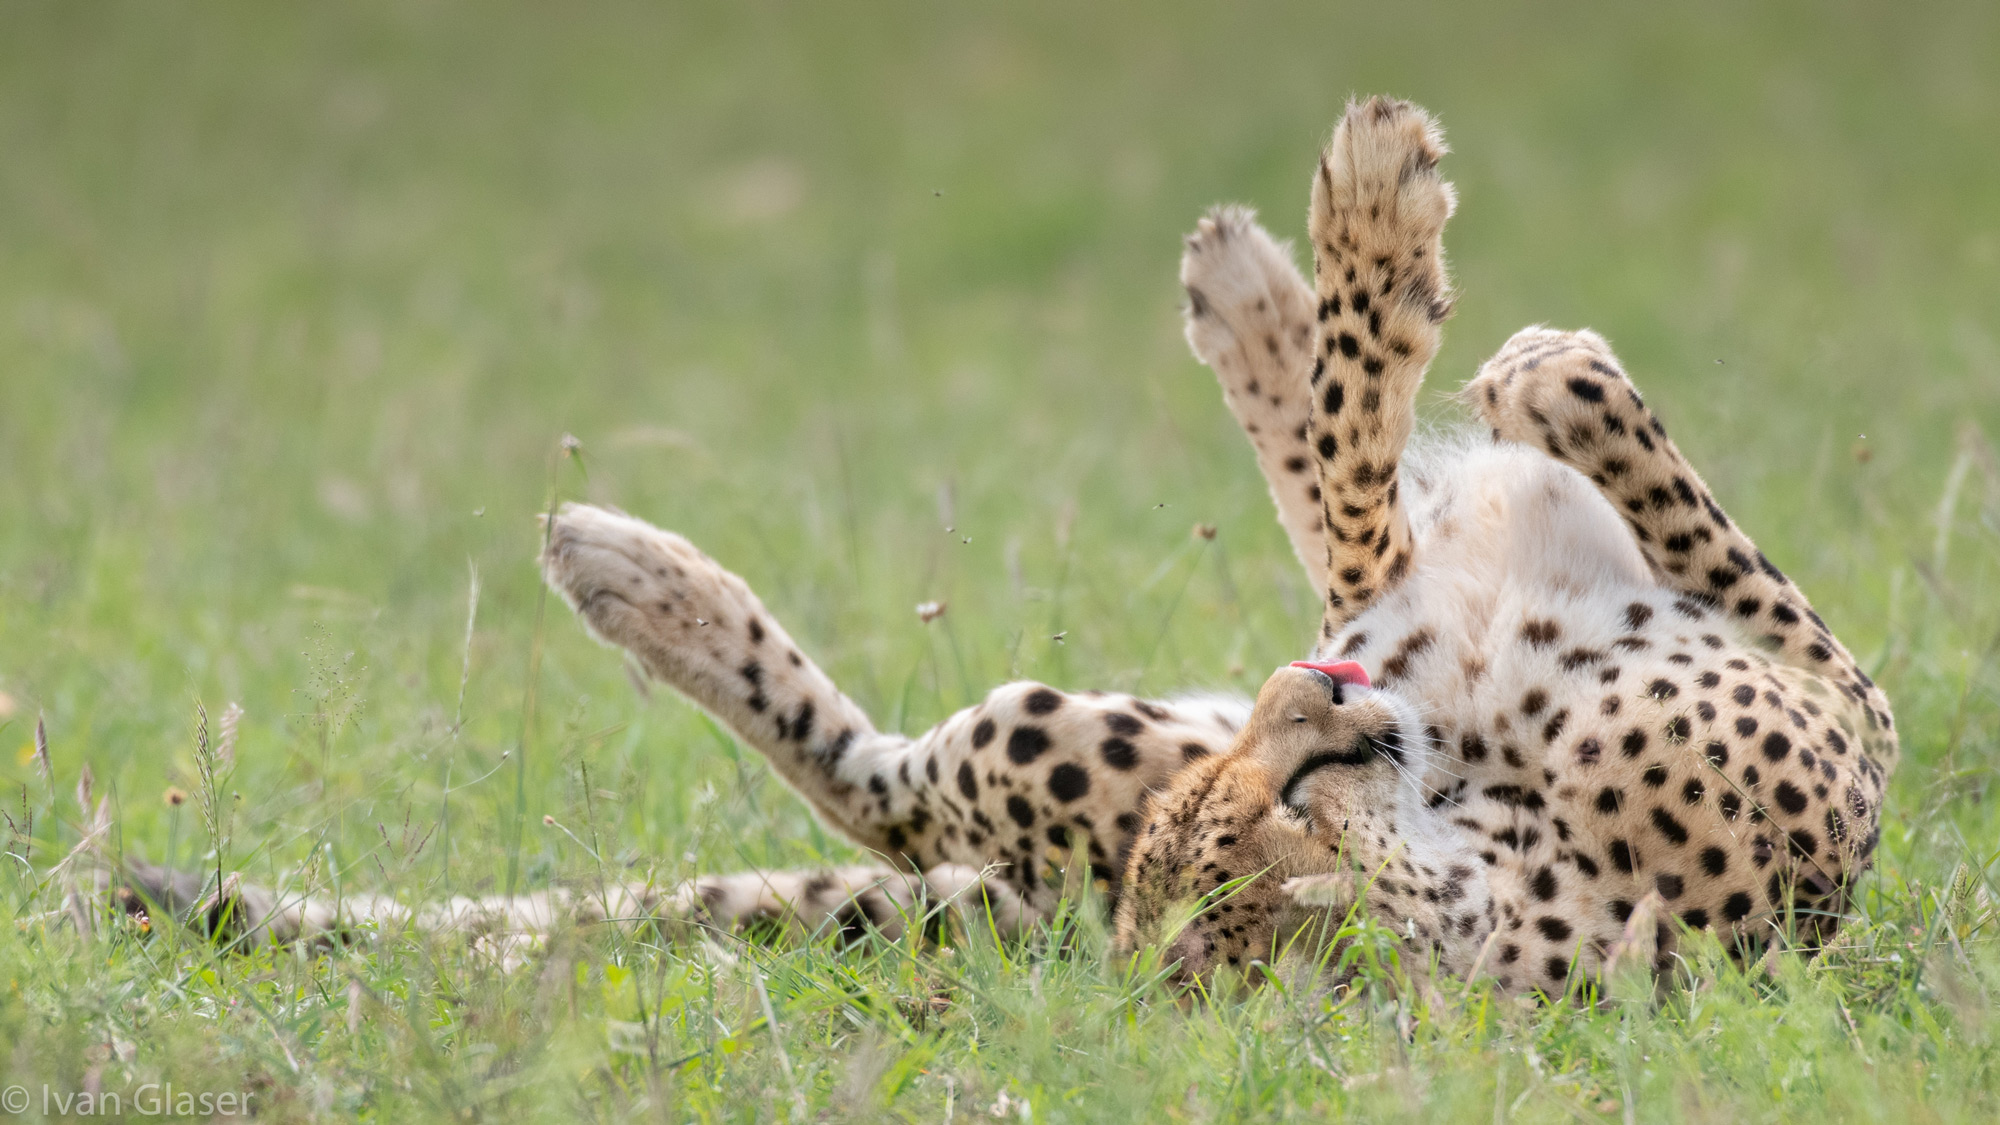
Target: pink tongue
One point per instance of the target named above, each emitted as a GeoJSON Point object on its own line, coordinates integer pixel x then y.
{"type": "Point", "coordinates": [1342, 672]}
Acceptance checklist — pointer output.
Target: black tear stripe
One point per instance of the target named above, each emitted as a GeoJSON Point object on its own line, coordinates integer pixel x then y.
{"type": "Point", "coordinates": [1360, 754]}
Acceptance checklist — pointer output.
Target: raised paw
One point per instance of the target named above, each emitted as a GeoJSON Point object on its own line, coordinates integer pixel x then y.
{"type": "Point", "coordinates": [1563, 393]}
{"type": "Point", "coordinates": [1378, 213]}
{"type": "Point", "coordinates": [1249, 313]}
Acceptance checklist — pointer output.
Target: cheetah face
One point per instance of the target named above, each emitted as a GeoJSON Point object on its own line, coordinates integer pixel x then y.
{"type": "Point", "coordinates": [1322, 759]}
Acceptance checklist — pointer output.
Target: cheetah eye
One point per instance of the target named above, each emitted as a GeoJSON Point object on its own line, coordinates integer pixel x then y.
{"type": "Point", "coordinates": [1298, 718]}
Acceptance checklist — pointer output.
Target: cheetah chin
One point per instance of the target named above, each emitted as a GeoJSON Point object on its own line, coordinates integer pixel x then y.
{"type": "Point", "coordinates": [1561, 712]}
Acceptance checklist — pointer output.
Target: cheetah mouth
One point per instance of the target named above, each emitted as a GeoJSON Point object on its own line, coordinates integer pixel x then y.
{"type": "Point", "coordinates": [1361, 752]}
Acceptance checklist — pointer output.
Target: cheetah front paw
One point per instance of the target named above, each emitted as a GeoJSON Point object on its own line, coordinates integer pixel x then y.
{"type": "Point", "coordinates": [1249, 313]}
{"type": "Point", "coordinates": [1378, 212]}
{"type": "Point", "coordinates": [1555, 390]}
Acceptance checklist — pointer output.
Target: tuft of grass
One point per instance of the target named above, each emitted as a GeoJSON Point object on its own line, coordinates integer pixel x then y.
{"type": "Point", "coordinates": [875, 303]}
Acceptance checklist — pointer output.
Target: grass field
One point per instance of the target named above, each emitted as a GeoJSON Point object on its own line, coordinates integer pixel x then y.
{"type": "Point", "coordinates": [876, 303]}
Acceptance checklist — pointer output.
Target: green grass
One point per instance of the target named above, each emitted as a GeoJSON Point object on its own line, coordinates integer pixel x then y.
{"type": "Point", "coordinates": [297, 301]}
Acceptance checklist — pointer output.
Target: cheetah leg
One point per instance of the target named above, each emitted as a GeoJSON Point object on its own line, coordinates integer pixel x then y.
{"type": "Point", "coordinates": [1566, 394]}
{"type": "Point", "coordinates": [1250, 319]}
{"type": "Point", "coordinates": [1377, 222]}
{"type": "Point", "coordinates": [1028, 772]}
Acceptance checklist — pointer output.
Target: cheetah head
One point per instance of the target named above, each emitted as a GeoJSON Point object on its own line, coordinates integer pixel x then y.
{"type": "Point", "coordinates": [1320, 773]}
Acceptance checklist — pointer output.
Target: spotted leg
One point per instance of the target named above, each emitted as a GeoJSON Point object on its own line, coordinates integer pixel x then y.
{"type": "Point", "coordinates": [1037, 785]}
{"type": "Point", "coordinates": [1377, 221]}
{"type": "Point", "coordinates": [1250, 319]}
{"type": "Point", "coordinates": [1566, 394]}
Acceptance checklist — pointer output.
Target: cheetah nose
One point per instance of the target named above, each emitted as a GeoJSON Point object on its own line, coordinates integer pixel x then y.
{"type": "Point", "coordinates": [1340, 672]}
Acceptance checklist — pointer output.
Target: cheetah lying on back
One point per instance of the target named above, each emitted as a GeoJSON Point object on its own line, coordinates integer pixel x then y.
{"type": "Point", "coordinates": [1553, 682]}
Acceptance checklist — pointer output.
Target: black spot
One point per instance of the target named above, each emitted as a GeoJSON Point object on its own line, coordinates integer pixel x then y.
{"type": "Point", "coordinates": [968, 784]}
{"type": "Point", "coordinates": [1663, 689]}
{"type": "Point", "coordinates": [1717, 754]}
{"type": "Point", "coordinates": [1193, 750]}
{"type": "Point", "coordinates": [1696, 918]}
{"type": "Point", "coordinates": [1069, 781]}
{"type": "Point", "coordinates": [1557, 968]}
{"type": "Point", "coordinates": [1123, 724]}
{"type": "Point", "coordinates": [1553, 928]}
{"type": "Point", "coordinates": [1635, 742]}
{"type": "Point", "coordinates": [1540, 634]}
{"type": "Point", "coordinates": [1655, 776]}
{"type": "Point", "coordinates": [1693, 791]}
{"type": "Point", "coordinates": [1026, 744]}
{"type": "Point", "coordinates": [1789, 798]}
{"type": "Point", "coordinates": [1622, 856]}
{"type": "Point", "coordinates": [1636, 615]}
{"type": "Point", "coordinates": [1533, 702]}
{"type": "Point", "coordinates": [1737, 908]}
{"type": "Point", "coordinates": [1746, 726]}
{"type": "Point", "coordinates": [1119, 754]}
{"type": "Point", "coordinates": [1609, 800]}
{"type": "Point", "coordinates": [1041, 701]}
{"type": "Point", "coordinates": [1336, 397]}
{"type": "Point", "coordinates": [1019, 808]}
{"type": "Point", "coordinates": [837, 750]}
{"type": "Point", "coordinates": [1585, 864]}
{"type": "Point", "coordinates": [1544, 884]}
{"type": "Point", "coordinates": [1777, 746]}
{"type": "Point", "coordinates": [1554, 726]}
{"type": "Point", "coordinates": [982, 734]}
{"type": "Point", "coordinates": [1620, 909]}
{"type": "Point", "coordinates": [1586, 389]}
{"type": "Point", "coordinates": [1349, 346]}
{"type": "Point", "coordinates": [1327, 446]}
{"type": "Point", "coordinates": [1669, 886]}
{"type": "Point", "coordinates": [1675, 832]}
{"type": "Point", "coordinates": [1714, 861]}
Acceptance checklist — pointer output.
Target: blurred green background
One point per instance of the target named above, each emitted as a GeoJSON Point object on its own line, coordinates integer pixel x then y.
{"type": "Point", "coordinates": [876, 303]}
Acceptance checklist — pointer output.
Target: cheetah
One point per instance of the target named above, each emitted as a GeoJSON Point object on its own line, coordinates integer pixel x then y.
{"type": "Point", "coordinates": [1558, 699]}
